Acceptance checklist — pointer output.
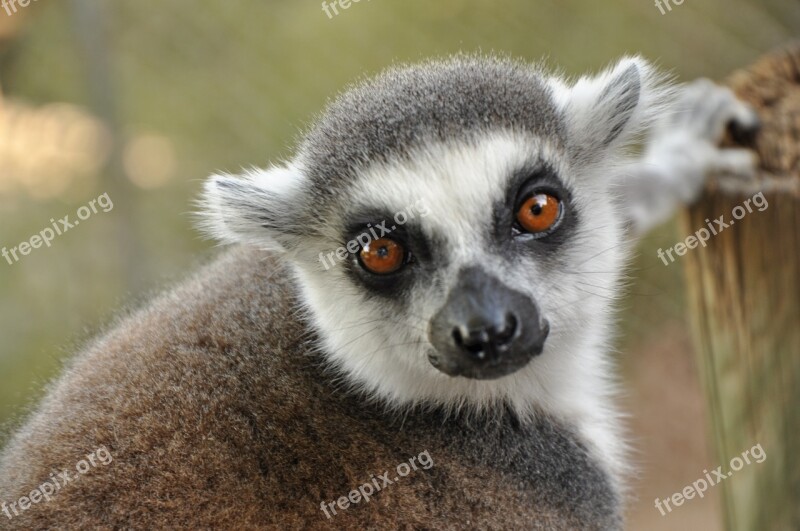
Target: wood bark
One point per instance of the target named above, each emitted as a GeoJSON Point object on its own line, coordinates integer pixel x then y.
{"type": "Point", "coordinates": [744, 292]}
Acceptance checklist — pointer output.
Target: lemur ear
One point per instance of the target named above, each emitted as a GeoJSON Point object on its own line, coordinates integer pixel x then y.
{"type": "Point", "coordinates": [610, 109]}
{"type": "Point", "coordinates": [256, 208]}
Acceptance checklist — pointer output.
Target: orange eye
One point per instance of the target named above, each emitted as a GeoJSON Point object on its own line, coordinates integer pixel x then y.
{"type": "Point", "coordinates": [539, 213]}
{"type": "Point", "coordinates": [382, 256]}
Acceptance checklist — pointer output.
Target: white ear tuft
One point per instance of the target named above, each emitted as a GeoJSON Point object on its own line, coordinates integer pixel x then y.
{"type": "Point", "coordinates": [255, 208]}
{"type": "Point", "coordinates": [611, 109]}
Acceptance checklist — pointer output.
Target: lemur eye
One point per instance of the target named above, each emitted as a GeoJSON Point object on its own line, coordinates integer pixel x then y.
{"type": "Point", "coordinates": [539, 213]}
{"type": "Point", "coordinates": [382, 256]}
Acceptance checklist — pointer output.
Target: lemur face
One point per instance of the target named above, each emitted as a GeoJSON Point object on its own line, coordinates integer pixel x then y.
{"type": "Point", "coordinates": [466, 279]}
{"type": "Point", "coordinates": [452, 226]}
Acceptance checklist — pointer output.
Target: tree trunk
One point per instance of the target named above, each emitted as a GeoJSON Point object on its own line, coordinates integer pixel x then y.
{"type": "Point", "coordinates": [745, 302]}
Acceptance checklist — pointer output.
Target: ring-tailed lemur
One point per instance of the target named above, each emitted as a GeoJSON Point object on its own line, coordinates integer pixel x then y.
{"type": "Point", "coordinates": [266, 389]}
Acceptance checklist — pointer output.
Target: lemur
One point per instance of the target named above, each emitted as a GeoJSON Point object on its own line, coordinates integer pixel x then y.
{"type": "Point", "coordinates": [475, 329]}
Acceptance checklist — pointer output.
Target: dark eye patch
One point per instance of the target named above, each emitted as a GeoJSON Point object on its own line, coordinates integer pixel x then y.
{"type": "Point", "coordinates": [535, 178]}
{"type": "Point", "coordinates": [395, 286]}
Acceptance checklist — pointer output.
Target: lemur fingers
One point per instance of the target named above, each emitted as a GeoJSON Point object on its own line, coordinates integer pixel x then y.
{"type": "Point", "coordinates": [684, 150]}
{"type": "Point", "coordinates": [706, 109]}
{"type": "Point", "coordinates": [685, 143]}
{"type": "Point", "coordinates": [740, 163]}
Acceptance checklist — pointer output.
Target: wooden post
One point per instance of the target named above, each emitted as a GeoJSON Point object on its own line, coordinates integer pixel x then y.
{"type": "Point", "coordinates": [745, 305]}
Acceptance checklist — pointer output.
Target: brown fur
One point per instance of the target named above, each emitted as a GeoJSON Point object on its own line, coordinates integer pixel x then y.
{"type": "Point", "coordinates": [217, 415]}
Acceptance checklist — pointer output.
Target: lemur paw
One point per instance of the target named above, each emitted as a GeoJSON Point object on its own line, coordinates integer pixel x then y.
{"type": "Point", "coordinates": [686, 141]}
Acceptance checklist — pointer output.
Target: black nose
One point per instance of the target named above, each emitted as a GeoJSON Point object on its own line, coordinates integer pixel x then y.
{"type": "Point", "coordinates": [485, 329]}
{"type": "Point", "coordinates": [483, 338]}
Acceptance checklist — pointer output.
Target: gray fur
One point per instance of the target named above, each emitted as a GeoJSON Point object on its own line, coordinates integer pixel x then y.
{"type": "Point", "coordinates": [388, 117]}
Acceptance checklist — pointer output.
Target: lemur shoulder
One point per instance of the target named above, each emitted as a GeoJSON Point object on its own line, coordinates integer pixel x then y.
{"type": "Point", "coordinates": [475, 328]}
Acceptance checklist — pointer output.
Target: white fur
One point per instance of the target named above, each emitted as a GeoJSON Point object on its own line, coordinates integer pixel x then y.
{"type": "Point", "coordinates": [223, 214]}
{"type": "Point", "coordinates": [589, 107]}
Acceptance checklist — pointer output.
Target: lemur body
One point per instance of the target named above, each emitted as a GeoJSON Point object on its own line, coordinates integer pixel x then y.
{"type": "Point", "coordinates": [477, 332]}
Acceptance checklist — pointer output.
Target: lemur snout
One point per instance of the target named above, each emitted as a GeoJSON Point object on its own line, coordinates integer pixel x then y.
{"type": "Point", "coordinates": [485, 330]}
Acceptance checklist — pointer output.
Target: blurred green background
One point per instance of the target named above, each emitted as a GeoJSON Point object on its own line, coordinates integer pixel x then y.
{"type": "Point", "coordinates": [143, 99]}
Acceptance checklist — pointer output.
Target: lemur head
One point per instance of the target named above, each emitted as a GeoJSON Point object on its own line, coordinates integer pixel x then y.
{"type": "Point", "coordinates": [453, 228]}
